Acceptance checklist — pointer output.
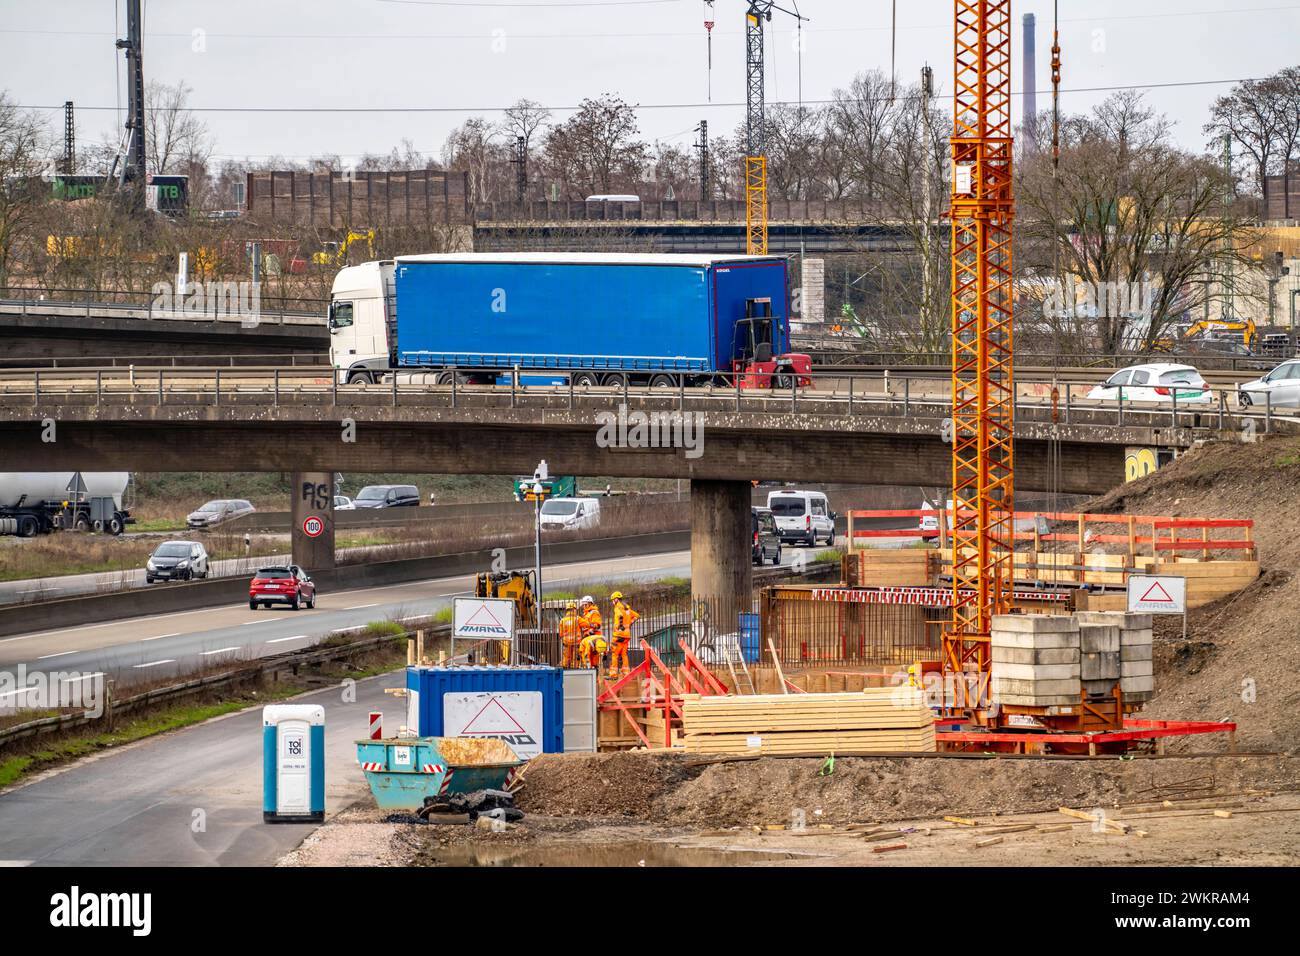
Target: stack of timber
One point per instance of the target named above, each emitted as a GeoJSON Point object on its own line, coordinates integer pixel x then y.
{"type": "Point", "coordinates": [878, 720]}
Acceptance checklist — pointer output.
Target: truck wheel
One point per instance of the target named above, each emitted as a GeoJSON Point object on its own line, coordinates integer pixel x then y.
{"type": "Point", "coordinates": [614, 379]}
{"type": "Point", "coordinates": [28, 527]}
{"type": "Point", "coordinates": [444, 378]}
{"type": "Point", "coordinates": [360, 378]}
{"type": "Point", "coordinates": [584, 379]}
{"type": "Point", "coordinates": [99, 527]}
{"type": "Point", "coordinates": [782, 379]}
{"type": "Point", "coordinates": [663, 381]}
{"type": "Point", "coordinates": [115, 526]}
{"type": "Point", "coordinates": [82, 524]}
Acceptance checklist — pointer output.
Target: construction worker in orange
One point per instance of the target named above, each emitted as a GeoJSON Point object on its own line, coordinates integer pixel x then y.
{"type": "Point", "coordinates": [593, 643]}
{"type": "Point", "coordinates": [570, 635]}
{"type": "Point", "coordinates": [624, 618]}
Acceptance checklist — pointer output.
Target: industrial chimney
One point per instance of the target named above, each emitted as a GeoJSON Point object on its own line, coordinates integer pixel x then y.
{"type": "Point", "coordinates": [1029, 101]}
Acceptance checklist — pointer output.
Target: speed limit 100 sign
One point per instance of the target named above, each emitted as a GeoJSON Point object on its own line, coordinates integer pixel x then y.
{"type": "Point", "coordinates": [313, 526]}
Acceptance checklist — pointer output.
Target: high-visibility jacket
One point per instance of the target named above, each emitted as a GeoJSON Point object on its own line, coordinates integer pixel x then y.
{"type": "Point", "coordinates": [570, 627]}
{"type": "Point", "coordinates": [624, 618]}
{"type": "Point", "coordinates": [591, 621]}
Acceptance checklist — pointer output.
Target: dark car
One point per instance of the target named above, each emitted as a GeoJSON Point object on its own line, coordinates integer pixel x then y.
{"type": "Point", "coordinates": [176, 561]}
{"type": "Point", "coordinates": [387, 496]}
{"type": "Point", "coordinates": [766, 540]}
{"type": "Point", "coordinates": [288, 584]}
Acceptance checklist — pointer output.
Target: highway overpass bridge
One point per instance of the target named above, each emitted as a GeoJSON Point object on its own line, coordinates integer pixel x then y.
{"type": "Point", "coordinates": [34, 329]}
{"type": "Point", "coordinates": [718, 438]}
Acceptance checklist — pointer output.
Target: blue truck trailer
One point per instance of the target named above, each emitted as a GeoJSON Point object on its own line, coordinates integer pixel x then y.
{"type": "Point", "coordinates": [592, 318]}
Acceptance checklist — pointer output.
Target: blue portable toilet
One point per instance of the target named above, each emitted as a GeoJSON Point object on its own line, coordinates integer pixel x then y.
{"type": "Point", "coordinates": [293, 763]}
{"type": "Point", "coordinates": [751, 629]}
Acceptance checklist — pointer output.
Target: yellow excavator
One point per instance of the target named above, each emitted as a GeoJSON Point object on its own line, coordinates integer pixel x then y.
{"type": "Point", "coordinates": [336, 253]}
{"type": "Point", "coordinates": [1218, 326]}
{"type": "Point", "coordinates": [517, 586]}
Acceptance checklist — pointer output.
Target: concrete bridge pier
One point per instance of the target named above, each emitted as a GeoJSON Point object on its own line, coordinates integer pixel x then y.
{"type": "Point", "coordinates": [721, 535]}
{"type": "Point", "coordinates": [312, 514]}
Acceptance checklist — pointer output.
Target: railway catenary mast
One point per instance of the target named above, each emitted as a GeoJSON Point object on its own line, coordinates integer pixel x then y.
{"type": "Point", "coordinates": [983, 393]}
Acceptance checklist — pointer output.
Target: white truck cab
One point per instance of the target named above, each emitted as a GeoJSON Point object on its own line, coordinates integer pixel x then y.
{"type": "Point", "coordinates": [361, 313]}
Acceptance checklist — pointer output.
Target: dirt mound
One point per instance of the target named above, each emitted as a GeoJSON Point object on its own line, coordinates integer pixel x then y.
{"type": "Point", "coordinates": [665, 788]}
{"type": "Point", "coordinates": [1240, 659]}
{"type": "Point", "coordinates": [600, 785]}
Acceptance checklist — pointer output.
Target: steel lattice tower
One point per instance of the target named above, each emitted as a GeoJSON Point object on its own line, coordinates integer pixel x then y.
{"type": "Point", "coordinates": [982, 386]}
{"type": "Point", "coordinates": [755, 140]}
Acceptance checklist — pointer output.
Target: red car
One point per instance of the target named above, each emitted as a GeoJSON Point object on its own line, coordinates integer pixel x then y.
{"type": "Point", "coordinates": [287, 585]}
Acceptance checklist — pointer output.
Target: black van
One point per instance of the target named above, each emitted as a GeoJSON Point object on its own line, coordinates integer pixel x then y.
{"type": "Point", "coordinates": [766, 539]}
{"type": "Point", "coordinates": [387, 496]}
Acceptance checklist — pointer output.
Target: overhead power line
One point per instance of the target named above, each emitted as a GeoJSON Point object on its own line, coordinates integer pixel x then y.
{"type": "Point", "coordinates": [640, 106]}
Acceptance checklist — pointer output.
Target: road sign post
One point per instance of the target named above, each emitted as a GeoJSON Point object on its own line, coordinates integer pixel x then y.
{"type": "Point", "coordinates": [1158, 594]}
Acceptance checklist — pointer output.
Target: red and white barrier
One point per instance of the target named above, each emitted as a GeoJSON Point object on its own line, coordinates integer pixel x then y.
{"type": "Point", "coordinates": [376, 725]}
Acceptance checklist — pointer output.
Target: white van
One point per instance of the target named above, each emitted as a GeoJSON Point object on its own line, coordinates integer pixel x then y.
{"type": "Point", "coordinates": [802, 517]}
{"type": "Point", "coordinates": [570, 514]}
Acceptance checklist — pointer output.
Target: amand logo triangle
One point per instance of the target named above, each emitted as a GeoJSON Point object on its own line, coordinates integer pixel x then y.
{"type": "Point", "coordinates": [492, 718]}
{"type": "Point", "coordinates": [1156, 594]}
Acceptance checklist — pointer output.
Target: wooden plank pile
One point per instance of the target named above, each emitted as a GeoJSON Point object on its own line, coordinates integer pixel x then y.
{"type": "Point", "coordinates": [882, 720]}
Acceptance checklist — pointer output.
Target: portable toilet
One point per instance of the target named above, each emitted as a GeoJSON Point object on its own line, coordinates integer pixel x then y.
{"type": "Point", "coordinates": [293, 763]}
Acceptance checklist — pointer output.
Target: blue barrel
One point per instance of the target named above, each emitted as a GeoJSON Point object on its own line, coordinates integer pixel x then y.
{"type": "Point", "coordinates": [750, 632]}
{"type": "Point", "coordinates": [523, 706]}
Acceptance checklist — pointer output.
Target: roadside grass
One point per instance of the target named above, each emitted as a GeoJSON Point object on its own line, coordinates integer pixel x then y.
{"type": "Point", "coordinates": [827, 555]}
{"type": "Point", "coordinates": [32, 755]}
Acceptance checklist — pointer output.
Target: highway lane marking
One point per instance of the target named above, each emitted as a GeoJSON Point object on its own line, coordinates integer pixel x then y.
{"type": "Point", "coordinates": [281, 640]}
{"type": "Point", "coordinates": [169, 660]}
{"type": "Point", "coordinates": [219, 650]}
{"type": "Point", "coordinates": [160, 637]}
{"type": "Point", "coordinates": [46, 657]}
{"type": "Point", "coordinates": [125, 620]}
{"type": "Point", "coordinates": [358, 607]}
{"type": "Point", "coordinates": [78, 679]}
{"type": "Point", "coordinates": [39, 590]}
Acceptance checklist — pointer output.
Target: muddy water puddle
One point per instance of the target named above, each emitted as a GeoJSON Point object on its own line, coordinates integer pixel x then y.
{"type": "Point", "coordinates": [636, 853]}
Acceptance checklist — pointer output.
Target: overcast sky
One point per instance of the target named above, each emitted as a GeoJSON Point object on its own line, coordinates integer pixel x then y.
{"type": "Point", "coordinates": [462, 57]}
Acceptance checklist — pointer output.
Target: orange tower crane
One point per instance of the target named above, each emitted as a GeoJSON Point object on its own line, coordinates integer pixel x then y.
{"type": "Point", "coordinates": [983, 392]}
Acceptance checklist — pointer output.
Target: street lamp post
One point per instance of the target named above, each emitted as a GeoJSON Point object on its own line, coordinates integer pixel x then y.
{"type": "Point", "coordinates": [539, 493]}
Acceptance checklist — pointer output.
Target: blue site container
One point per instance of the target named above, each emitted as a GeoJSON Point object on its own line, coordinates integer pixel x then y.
{"type": "Point", "coordinates": [524, 706]}
{"type": "Point", "coordinates": [750, 630]}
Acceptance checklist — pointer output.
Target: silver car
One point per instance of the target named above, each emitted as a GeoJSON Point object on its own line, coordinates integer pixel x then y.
{"type": "Point", "coordinates": [1280, 388]}
{"type": "Point", "coordinates": [217, 511]}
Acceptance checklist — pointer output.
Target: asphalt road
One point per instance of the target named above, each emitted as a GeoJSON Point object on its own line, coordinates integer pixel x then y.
{"type": "Point", "coordinates": [190, 798]}
{"type": "Point", "coordinates": [163, 645]}
{"type": "Point", "coordinates": [193, 797]}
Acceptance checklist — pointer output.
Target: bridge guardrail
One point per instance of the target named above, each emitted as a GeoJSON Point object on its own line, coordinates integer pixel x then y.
{"type": "Point", "coordinates": [129, 305]}
{"type": "Point", "coordinates": [901, 396]}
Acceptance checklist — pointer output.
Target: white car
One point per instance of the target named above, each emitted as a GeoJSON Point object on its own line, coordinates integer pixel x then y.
{"type": "Point", "coordinates": [802, 517]}
{"type": "Point", "coordinates": [343, 503]}
{"type": "Point", "coordinates": [1158, 382]}
{"type": "Point", "coordinates": [569, 514]}
{"type": "Point", "coordinates": [1280, 388]}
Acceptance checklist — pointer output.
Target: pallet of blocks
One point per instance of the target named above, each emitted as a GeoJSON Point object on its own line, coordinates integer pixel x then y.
{"type": "Point", "coordinates": [877, 720]}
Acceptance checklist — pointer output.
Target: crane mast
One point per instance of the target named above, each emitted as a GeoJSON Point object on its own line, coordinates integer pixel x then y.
{"type": "Point", "coordinates": [983, 391]}
{"type": "Point", "coordinates": [759, 12]}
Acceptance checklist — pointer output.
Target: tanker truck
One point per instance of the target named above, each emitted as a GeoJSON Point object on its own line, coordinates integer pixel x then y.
{"type": "Point", "coordinates": [38, 502]}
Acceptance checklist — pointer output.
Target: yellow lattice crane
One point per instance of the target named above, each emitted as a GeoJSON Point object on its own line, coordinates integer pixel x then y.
{"type": "Point", "coordinates": [759, 12]}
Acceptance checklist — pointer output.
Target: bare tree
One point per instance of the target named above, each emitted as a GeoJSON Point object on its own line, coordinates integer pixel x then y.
{"type": "Point", "coordinates": [25, 151]}
{"type": "Point", "coordinates": [176, 140]}
{"type": "Point", "coordinates": [1128, 211]}
{"type": "Point", "coordinates": [596, 148]}
{"type": "Point", "coordinates": [474, 148]}
{"type": "Point", "coordinates": [1252, 115]}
